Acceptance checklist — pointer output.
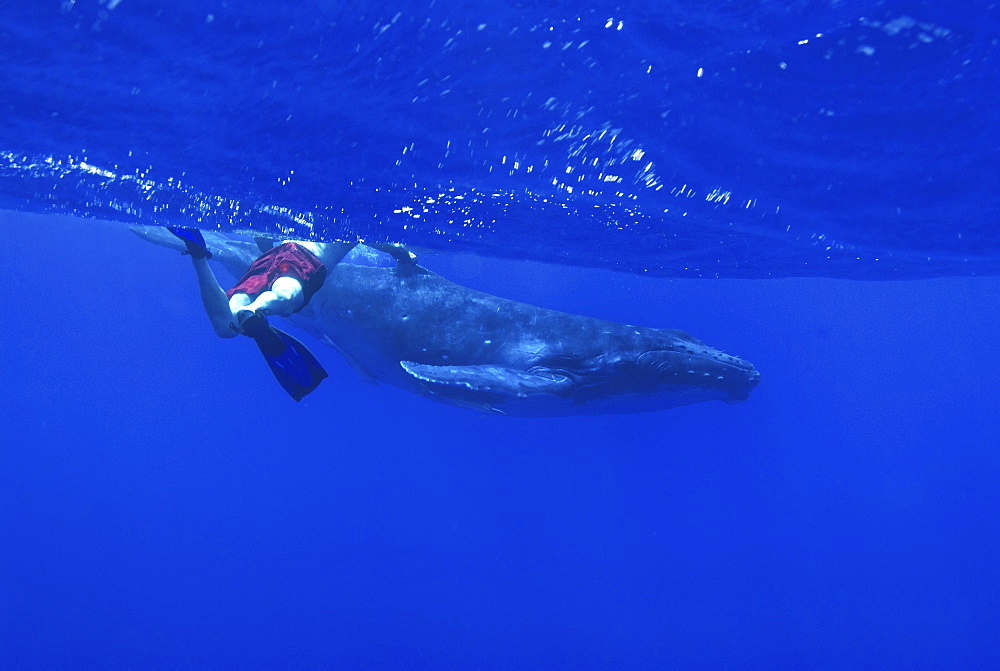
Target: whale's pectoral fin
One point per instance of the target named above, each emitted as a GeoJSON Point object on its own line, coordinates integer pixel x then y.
{"type": "Point", "coordinates": [489, 379]}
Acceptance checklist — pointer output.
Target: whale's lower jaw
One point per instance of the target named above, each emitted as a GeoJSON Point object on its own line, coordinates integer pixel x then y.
{"type": "Point", "coordinates": [544, 391]}
{"type": "Point", "coordinates": [553, 405]}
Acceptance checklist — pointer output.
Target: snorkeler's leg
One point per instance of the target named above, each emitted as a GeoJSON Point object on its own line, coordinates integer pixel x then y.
{"type": "Point", "coordinates": [285, 295]}
{"type": "Point", "coordinates": [214, 298]}
{"type": "Point", "coordinates": [238, 302]}
{"type": "Point", "coordinates": [283, 298]}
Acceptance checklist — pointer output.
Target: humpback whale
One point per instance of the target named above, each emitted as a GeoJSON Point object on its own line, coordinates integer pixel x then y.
{"type": "Point", "coordinates": [414, 329]}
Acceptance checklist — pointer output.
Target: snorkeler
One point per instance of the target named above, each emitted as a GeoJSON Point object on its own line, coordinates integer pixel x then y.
{"type": "Point", "coordinates": [280, 282]}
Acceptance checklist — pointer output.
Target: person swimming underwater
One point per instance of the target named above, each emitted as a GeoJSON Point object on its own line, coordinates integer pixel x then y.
{"type": "Point", "coordinates": [279, 282]}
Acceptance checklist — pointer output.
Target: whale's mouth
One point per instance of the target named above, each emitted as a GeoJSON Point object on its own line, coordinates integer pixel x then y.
{"type": "Point", "coordinates": [686, 373]}
{"type": "Point", "coordinates": [719, 374]}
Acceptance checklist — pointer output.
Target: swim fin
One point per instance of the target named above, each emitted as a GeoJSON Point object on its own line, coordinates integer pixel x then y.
{"type": "Point", "coordinates": [193, 240]}
{"type": "Point", "coordinates": [295, 367]}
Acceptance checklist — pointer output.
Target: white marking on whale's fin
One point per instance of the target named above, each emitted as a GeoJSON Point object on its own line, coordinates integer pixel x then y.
{"type": "Point", "coordinates": [489, 379]}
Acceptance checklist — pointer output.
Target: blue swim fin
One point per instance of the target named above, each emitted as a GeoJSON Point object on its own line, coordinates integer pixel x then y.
{"type": "Point", "coordinates": [193, 240]}
{"type": "Point", "coordinates": [295, 367]}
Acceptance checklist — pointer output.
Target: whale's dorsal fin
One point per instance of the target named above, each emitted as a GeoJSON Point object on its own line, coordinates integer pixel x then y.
{"type": "Point", "coordinates": [490, 379]}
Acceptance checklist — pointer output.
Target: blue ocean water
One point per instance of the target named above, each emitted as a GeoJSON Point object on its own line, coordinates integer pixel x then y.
{"type": "Point", "coordinates": [163, 504]}
{"type": "Point", "coordinates": [689, 139]}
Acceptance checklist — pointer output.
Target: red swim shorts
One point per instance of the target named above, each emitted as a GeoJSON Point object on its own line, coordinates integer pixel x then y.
{"type": "Point", "coordinates": [286, 260]}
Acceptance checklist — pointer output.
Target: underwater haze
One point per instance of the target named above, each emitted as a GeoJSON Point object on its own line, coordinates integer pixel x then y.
{"type": "Point", "coordinates": [812, 186]}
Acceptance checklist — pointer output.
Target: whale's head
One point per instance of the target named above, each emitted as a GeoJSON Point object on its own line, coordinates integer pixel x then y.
{"type": "Point", "coordinates": [652, 373]}
{"type": "Point", "coordinates": [637, 371]}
